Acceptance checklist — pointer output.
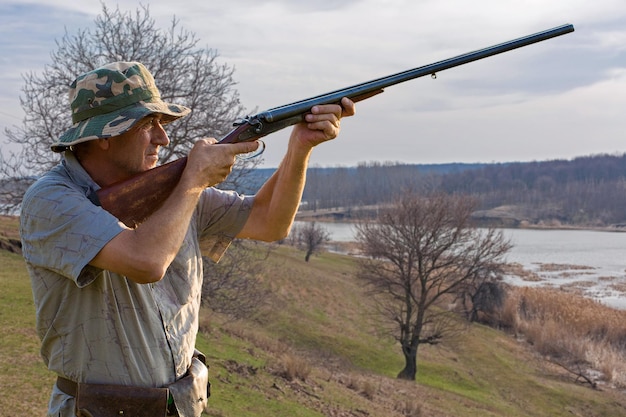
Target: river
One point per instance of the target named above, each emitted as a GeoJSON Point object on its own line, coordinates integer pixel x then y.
{"type": "Point", "coordinates": [592, 262]}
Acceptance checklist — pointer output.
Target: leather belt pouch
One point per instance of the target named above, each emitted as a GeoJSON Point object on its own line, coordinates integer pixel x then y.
{"type": "Point", "coordinates": [191, 393]}
{"type": "Point", "coordinates": [96, 400]}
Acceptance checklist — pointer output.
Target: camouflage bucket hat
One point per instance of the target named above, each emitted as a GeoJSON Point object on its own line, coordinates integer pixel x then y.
{"type": "Point", "coordinates": [108, 101]}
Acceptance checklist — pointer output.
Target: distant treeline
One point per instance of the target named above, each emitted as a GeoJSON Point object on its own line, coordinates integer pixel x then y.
{"type": "Point", "coordinates": [585, 191]}
{"type": "Point", "coordinates": [588, 191]}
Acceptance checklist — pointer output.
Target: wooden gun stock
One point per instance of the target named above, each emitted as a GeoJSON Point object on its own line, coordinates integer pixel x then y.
{"type": "Point", "coordinates": [134, 199]}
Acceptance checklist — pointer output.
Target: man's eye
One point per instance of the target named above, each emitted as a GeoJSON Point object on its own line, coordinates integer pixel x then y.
{"type": "Point", "coordinates": [148, 124]}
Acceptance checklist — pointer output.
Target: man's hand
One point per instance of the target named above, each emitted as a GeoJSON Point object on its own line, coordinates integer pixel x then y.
{"type": "Point", "coordinates": [209, 163]}
{"type": "Point", "coordinates": [276, 203]}
{"type": "Point", "coordinates": [323, 123]}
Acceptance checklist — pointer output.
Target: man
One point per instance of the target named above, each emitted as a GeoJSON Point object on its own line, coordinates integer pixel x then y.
{"type": "Point", "coordinates": [118, 307]}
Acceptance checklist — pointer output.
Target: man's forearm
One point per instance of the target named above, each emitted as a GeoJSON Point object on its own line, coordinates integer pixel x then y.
{"type": "Point", "coordinates": [276, 203]}
{"type": "Point", "coordinates": [143, 254]}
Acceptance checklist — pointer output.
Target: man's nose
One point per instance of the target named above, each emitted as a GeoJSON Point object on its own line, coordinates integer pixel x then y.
{"type": "Point", "coordinates": [159, 136]}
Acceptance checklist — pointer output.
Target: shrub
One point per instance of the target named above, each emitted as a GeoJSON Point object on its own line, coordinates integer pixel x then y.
{"type": "Point", "coordinates": [292, 367]}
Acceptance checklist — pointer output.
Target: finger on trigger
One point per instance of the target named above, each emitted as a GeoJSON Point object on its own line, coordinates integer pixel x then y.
{"type": "Point", "coordinates": [247, 147]}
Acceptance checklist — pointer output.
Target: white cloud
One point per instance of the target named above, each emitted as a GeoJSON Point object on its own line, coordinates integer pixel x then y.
{"type": "Point", "coordinates": [556, 99]}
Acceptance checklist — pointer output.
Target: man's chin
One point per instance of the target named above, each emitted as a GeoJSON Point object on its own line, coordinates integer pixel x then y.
{"type": "Point", "coordinates": [151, 162]}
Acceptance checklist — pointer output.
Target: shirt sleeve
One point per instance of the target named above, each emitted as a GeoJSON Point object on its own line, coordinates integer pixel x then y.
{"type": "Point", "coordinates": [221, 215]}
{"type": "Point", "coordinates": [63, 231]}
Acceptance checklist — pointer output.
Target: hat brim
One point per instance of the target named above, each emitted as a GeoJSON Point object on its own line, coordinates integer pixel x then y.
{"type": "Point", "coordinates": [117, 122]}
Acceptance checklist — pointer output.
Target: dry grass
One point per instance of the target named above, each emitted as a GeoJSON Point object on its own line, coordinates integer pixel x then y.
{"type": "Point", "coordinates": [293, 367]}
{"type": "Point", "coordinates": [570, 329]}
{"type": "Point", "coordinates": [518, 270]}
{"type": "Point", "coordinates": [9, 226]}
{"type": "Point", "coordinates": [410, 408]}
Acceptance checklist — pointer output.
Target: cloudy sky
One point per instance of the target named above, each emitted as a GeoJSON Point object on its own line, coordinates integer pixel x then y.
{"type": "Point", "coordinates": [560, 98]}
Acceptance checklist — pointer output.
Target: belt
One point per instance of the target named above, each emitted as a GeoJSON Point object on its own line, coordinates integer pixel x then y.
{"type": "Point", "coordinates": [70, 387]}
{"type": "Point", "coordinates": [66, 386]}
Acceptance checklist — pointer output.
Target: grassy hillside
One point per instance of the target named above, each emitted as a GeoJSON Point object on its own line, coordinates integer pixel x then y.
{"type": "Point", "coordinates": [314, 352]}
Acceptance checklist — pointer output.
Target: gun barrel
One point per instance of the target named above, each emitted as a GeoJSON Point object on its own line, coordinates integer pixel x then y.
{"type": "Point", "coordinates": [298, 107]}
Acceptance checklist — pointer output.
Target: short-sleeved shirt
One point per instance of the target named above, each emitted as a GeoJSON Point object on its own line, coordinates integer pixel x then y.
{"type": "Point", "coordinates": [100, 327]}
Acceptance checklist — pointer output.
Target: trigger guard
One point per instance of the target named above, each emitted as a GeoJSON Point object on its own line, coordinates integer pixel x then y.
{"type": "Point", "coordinates": [257, 152]}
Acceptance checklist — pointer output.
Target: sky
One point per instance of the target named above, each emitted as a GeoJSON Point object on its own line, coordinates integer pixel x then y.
{"type": "Point", "coordinates": [557, 99]}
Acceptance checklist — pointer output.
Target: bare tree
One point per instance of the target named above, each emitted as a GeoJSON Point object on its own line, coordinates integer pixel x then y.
{"type": "Point", "coordinates": [232, 286]}
{"type": "Point", "coordinates": [310, 238]}
{"type": "Point", "coordinates": [185, 73]}
{"type": "Point", "coordinates": [419, 253]}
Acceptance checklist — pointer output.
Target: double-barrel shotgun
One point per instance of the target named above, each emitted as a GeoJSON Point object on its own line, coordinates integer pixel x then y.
{"type": "Point", "coordinates": [134, 199]}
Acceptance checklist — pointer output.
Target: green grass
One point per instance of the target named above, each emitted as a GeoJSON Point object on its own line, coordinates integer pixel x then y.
{"type": "Point", "coordinates": [319, 314]}
{"type": "Point", "coordinates": [25, 383]}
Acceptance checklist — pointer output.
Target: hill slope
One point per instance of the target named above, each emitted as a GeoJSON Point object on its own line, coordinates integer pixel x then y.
{"type": "Point", "coordinates": [313, 352]}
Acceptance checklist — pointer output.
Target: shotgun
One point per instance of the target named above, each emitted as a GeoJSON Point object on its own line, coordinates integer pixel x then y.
{"type": "Point", "coordinates": [134, 199]}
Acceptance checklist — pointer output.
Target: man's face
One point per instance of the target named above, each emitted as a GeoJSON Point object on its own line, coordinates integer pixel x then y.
{"type": "Point", "coordinates": [138, 149]}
